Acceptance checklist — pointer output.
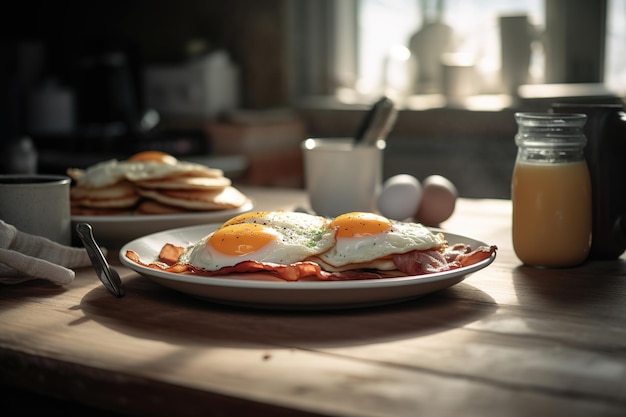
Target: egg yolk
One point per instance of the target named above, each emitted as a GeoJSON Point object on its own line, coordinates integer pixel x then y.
{"type": "Point", "coordinates": [244, 218]}
{"type": "Point", "coordinates": [241, 239]}
{"type": "Point", "coordinates": [360, 224]}
{"type": "Point", "coordinates": [153, 156]}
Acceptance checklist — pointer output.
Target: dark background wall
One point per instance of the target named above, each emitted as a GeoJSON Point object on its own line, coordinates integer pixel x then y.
{"type": "Point", "coordinates": [157, 32]}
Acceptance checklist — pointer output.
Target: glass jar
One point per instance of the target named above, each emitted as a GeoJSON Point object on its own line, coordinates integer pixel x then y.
{"type": "Point", "coordinates": [551, 191]}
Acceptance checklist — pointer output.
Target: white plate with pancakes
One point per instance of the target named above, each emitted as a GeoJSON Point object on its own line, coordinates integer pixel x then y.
{"type": "Point", "coordinates": [149, 192]}
{"type": "Point", "coordinates": [260, 290]}
{"type": "Point", "coordinates": [114, 231]}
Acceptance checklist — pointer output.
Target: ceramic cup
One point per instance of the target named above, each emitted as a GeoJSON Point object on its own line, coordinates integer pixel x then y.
{"type": "Point", "coordinates": [38, 205]}
{"type": "Point", "coordinates": [340, 176]}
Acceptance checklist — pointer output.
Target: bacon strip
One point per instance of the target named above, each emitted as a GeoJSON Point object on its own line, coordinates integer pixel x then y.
{"type": "Point", "coordinates": [291, 272]}
{"type": "Point", "coordinates": [475, 256]}
{"type": "Point", "coordinates": [426, 262]}
{"type": "Point", "coordinates": [410, 263]}
{"type": "Point", "coordinates": [421, 262]}
{"type": "Point", "coordinates": [170, 253]}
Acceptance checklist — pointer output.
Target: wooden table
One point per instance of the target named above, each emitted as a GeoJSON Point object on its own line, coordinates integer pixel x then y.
{"type": "Point", "coordinates": [508, 341]}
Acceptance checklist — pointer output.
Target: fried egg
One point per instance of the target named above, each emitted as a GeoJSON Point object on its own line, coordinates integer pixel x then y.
{"type": "Point", "coordinates": [102, 174]}
{"type": "Point", "coordinates": [147, 170]}
{"type": "Point", "coordinates": [141, 167]}
{"type": "Point", "coordinates": [294, 246]}
{"type": "Point", "coordinates": [265, 237]}
{"type": "Point", "coordinates": [367, 240]}
{"type": "Point", "coordinates": [154, 156]}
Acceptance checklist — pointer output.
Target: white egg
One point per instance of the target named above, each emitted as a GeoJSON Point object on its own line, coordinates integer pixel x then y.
{"type": "Point", "coordinates": [364, 238]}
{"type": "Point", "coordinates": [269, 237]}
{"type": "Point", "coordinates": [438, 200]}
{"type": "Point", "coordinates": [400, 197]}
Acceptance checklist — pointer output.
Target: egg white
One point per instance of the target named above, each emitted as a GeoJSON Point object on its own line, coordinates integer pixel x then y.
{"type": "Point", "coordinates": [298, 237]}
{"type": "Point", "coordinates": [301, 236]}
{"type": "Point", "coordinates": [145, 170]}
{"type": "Point", "coordinates": [103, 174]}
{"type": "Point", "coordinates": [113, 171]}
{"type": "Point", "coordinates": [366, 251]}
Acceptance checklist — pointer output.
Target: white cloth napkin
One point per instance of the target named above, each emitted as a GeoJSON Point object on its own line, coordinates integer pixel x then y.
{"type": "Point", "coordinates": [25, 257]}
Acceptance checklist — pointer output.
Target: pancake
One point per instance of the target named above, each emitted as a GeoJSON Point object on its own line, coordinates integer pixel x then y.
{"type": "Point", "coordinates": [151, 182]}
{"type": "Point", "coordinates": [140, 171]}
{"type": "Point", "coordinates": [226, 198]}
{"type": "Point", "coordinates": [150, 207]}
{"type": "Point", "coordinates": [186, 183]}
{"type": "Point", "coordinates": [120, 195]}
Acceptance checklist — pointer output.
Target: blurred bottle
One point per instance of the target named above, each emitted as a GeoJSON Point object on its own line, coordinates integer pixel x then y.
{"type": "Point", "coordinates": [399, 71]}
{"type": "Point", "coordinates": [515, 52]}
{"type": "Point", "coordinates": [428, 44]}
{"type": "Point", "coordinates": [20, 157]}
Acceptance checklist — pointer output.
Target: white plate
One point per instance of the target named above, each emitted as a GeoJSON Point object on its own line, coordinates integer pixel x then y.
{"type": "Point", "coordinates": [265, 291]}
{"type": "Point", "coordinates": [117, 230]}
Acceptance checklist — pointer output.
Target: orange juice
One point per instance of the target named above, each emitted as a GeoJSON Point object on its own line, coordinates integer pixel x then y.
{"type": "Point", "coordinates": [551, 213]}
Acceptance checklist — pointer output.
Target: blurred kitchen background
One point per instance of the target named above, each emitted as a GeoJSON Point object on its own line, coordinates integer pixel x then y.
{"type": "Point", "coordinates": [239, 84]}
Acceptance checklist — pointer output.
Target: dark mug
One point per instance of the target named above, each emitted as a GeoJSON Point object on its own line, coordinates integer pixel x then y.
{"type": "Point", "coordinates": [606, 157]}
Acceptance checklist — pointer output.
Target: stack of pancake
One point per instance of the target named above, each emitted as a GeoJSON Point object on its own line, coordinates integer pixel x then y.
{"type": "Point", "coordinates": [151, 182]}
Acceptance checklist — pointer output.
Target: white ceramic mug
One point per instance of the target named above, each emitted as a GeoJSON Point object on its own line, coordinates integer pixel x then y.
{"type": "Point", "coordinates": [38, 205]}
{"type": "Point", "coordinates": [340, 176]}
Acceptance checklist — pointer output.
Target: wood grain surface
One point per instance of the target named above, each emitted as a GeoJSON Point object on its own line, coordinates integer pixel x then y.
{"type": "Point", "coordinates": [508, 341]}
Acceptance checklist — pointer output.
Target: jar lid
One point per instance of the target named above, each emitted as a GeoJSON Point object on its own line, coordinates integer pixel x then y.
{"type": "Point", "coordinates": [550, 129]}
{"type": "Point", "coordinates": [551, 119]}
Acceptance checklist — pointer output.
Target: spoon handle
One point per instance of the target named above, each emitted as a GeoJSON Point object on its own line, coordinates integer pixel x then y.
{"type": "Point", "coordinates": [377, 122]}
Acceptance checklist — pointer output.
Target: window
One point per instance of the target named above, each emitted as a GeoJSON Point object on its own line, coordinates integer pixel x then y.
{"type": "Point", "coordinates": [387, 26]}
{"type": "Point", "coordinates": [364, 46]}
{"type": "Point", "coordinates": [615, 74]}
